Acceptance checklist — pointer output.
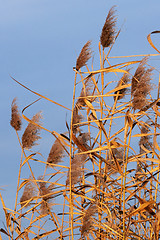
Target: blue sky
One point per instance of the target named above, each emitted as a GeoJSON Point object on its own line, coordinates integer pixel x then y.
{"type": "Point", "coordinates": [39, 43]}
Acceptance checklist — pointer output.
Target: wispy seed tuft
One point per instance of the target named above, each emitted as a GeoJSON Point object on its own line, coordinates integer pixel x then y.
{"type": "Point", "coordinates": [88, 219]}
{"type": "Point", "coordinates": [85, 93]}
{"type": "Point", "coordinates": [145, 140]}
{"type": "Point", "coordinates": [76, 169]}
{"type": "Point", "coordinates": [78, 161]}
{"type": "Point", "coordinates": [108, 30]}
{"type": "Point", "coordinates": [46, 193]}
{"type": "Point", "coordinates": [32, 132]}
{"type": "Point", "coordinates": [28, 193]}
{"type": "Point", "coordinates": [56, 153]}
{"type": "Point", "coordinates": [15, 116]}
{"type": "Point", "coordinates": [141, 85]}
{"type": "Point", "coordinates": [77, 118]}
{"type": "Point", "coordinates": [123, 81]}
{"type": "Point", "coordinates": [83, 138]}
{"type": "Point", "coordinates": [84, 56]}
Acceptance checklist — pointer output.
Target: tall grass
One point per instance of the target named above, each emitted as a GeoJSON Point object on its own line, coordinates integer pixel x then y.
{"type": "Point", "coordinates": [101, 176]}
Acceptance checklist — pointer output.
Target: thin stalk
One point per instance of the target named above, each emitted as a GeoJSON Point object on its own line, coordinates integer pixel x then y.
{"type": "Point", "coordinates": [125, 160]}
{"type": "Point", "coordinates": [70, 172]}
{"type": "Point", "coordinates": [100, 130]}
{"type": "Point", "coordinates": [19, 174]}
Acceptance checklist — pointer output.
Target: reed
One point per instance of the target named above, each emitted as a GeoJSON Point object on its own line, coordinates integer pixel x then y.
{"type": "Point", "coordinates": [101, 177]}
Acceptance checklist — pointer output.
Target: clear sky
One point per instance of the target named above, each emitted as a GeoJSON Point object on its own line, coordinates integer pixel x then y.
{"type": "Point", "coordinates": [39, 43]}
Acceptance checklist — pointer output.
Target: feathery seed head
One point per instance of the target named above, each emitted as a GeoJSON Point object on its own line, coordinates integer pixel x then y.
{"type": "Point", "coordinates": [83, 138]}
{"type": "Point", "coordinates": [76, 169]}
{"type": "Point", "coordinates": [138, 74]}
{"type": "Point", "coordinates": [46, 194]}
{"type": "Point", "coordinates": [32, 132]}
{"type": "Point", "coordinates": [84, 56]}
{"type": "Point", "coordinates": [123, 81]}
{"type": "Point", "coordinates": [145, 140]}
{"type": "Point", "coordinates": [56, 153]}
{"type": "Point", "coordinates": [77, 118]}
{"type": "Point", "coordinates": [85, 93]}
{"type": "Point", "coordinates": [28, 193]}
{"type": "Point", "coordinates": [88, 219]}
{"type": "Point", "coordinates": [141, 85]}
{"type": "Point", "coordinates": [15, 116]}
{"type": "Point", "coordinates": [108, 30]}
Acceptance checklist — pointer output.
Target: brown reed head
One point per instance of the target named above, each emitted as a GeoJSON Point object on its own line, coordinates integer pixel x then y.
{"type": "Point", "coordinates": [28, 193]}
{"type": "Point", "coordinates": [138, 74]}
{"type": "Point", "coordinates": [108, 30]}
{"type": "Point", "coordinates": [76, 170]}
{"type": "Point", "coordinates": [88, 219]}
{"type": "Point", "coordinates": [83, 138]}
{"type": "Point", "coordinates": [145, 139]}
{"type": "Point", "coordinates": [56, 153]}
{"type": "Point", "coordinates": [15, 122]}
{"type": "Point", "coordinates": [77, 118]}
{"type": "Point", "coordinates": [123, 81]}
{"type": "Point", "coordinates": [84, 56]}
{"type": "Point", "coordinates": [85, 93]}
{"type": "Point", "coordinates": [32, 132]}
{"type": "Point", "coordinates": [141, 85]}
{"type": "Point", "coordinates": [46, 193]}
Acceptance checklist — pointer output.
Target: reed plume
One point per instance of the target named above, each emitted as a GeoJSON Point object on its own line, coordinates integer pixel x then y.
{"type": "Point", "coordinates": [28, 193]}
{"type": "Point", "coordinates": [15, 122]}
{"type": "Point", "coordinates": [122, 92]}
{"type": "Point", "coordinates": [85, 93]}
{"type": "Point", "coordinates": [46, 193]}
{"type": "Point", "coordinates": [108, 30]}
{"type": "Point", "coordinates": [84, 56]}
{"type": "Point", "coordinates": [77, 118]}
{"type": "Point", "coordinates": [144, 146]}
{"type": "Point", "coordinates": [138, 75]}
{"type": "Point", "coordinates": [83, 138]}
{"type": "Point", "coordinates": [78, 160]}
{"type": "Point", "coordinates": [56, 153]}
{"type": "Point", "coordinates": [88, 219]}
{"type": "Point", "coordinates": [76, 169]}
{"type": "Point", "coordinates": [32, 132]}
{"type": "Point", "coordinates": [103, 195]}
{"type": "Point", "coordinates": [145, 140]}
{"type": "Point", "coordinates": [141, 85]}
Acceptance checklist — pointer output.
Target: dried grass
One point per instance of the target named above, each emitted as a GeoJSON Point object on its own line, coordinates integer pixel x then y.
{"type": "Point", "coordinates": [15, 116]}
{"type": "Point", "coordinates": [88, 219]}
{"type": "Point", "coordinates": [123, 81]}
{"type": "Point", "coordinates": [108, 30]}
{"type": "Point", "coordinates": [76, 170]}
{"type": "Point", "coordinates": [107, 187]}
{"type": "Point", "coordinates": [29, 193]}
{"type": "Point", "coordinates": [145, 139]}
{"type": "Point", "coordinates": [56, 153]}
{"type": "Point", "coordinates": [32, 132]}
{"type": "Point", "coordinates": [141, 85]}
{"type": "Point", "coordinates": [80, 103]}
{"type": "Point", "coordinates": [84, 56]}
{"type": "Point", "coordinates": [46, 193]}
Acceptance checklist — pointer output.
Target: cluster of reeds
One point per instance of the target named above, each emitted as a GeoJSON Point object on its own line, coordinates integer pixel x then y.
{"type": "Point", "coordinates": [101, 176]}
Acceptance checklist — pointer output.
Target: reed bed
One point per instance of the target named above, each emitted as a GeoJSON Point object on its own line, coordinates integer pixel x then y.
{"type": "Point", "coordinates": [101, 176]}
